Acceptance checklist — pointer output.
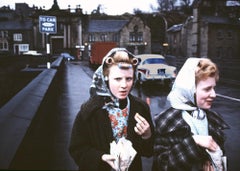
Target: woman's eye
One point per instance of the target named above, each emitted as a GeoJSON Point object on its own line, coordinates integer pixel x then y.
{"type": "Point", "coordinates": [208, 89]}
{"type": "Point", "coordinates": [129, 79]}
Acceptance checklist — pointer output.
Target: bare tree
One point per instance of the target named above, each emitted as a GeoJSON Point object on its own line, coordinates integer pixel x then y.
{"type": "Point", "coordinates": [186, 6]}
{"type": "Point", "coordinates": [98, 11]}
{"type": "Point", "coordinates": [186, 3]}
{"type": "Point", "coordinates": [166, 5]}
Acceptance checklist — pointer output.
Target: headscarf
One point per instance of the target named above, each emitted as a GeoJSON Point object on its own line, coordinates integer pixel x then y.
{"type": "Point", "coordinates": [115, 114]}
{"type": "Point", "coordinates": [184, 87]}
{"type": "Point", "coordinates": [99, 81]}
{"type": "Point", "coordinates": [182, 97]}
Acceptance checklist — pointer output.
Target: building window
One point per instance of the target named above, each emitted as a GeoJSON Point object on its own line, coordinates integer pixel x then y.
{"type": "Point", "coordinates": [136, 36]}
{"type": "Point", "coordinates": [91, 38]}
{"type": "Point", "coordinates": [103, 37]}
{"type": "Point", "coordinates": [3, 34]}
{"type": "Point", "coordinates": [23, 47]}
{"type": "Point", "coordinates": [132, 37]}
{"type": "Point", "coordinates": [140, 36]}
{"type": "Point", "coordinates": [3, 45]}
{"type": "Point", "coordinates": [219, 35]}
{"type": "Point", "coordinates": [17, 37]}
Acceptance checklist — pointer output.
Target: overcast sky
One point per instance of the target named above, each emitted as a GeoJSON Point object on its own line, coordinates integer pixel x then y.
{"type": "Point", "coordinates": [111, 7]}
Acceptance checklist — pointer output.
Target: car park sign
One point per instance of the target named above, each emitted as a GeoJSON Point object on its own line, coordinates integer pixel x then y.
{"type": "Point", "coordinates": [47, 24]}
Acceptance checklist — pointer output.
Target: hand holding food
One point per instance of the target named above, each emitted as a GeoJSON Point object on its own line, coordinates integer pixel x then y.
{"type": "Point", "coordinates": [142, 127]}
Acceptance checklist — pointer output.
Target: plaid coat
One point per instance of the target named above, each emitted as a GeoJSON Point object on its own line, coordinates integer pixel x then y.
{"type": "Point", "coordinates": [174, 148]}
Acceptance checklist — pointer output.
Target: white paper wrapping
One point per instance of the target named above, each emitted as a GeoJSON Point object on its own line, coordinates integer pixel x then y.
{"type": "Point", "coordinates": [124, 153]}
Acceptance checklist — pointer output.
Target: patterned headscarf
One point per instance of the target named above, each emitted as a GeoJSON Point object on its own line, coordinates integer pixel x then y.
{"type": "Point", "coordinates": [99, 80]}
{"type": "Point", "coordinates": [117, 116]}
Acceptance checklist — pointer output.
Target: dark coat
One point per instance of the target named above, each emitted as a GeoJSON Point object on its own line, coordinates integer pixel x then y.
{"type": "Point", "coordinates": [92, 135]}
{"type": "Point", "coordinates": [175, 149]}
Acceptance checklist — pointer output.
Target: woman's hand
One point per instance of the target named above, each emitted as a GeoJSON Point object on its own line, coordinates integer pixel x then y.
{"type": "Point", "coordinates": [206, 142]}
{"type": "Point", "coordinates": [142, 127]}
{"type": "Point", "coordinates": [108, 158]}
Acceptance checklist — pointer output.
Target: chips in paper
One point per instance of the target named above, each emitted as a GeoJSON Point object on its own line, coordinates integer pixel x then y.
{"type": "Point", "coordinates": [124, 153]}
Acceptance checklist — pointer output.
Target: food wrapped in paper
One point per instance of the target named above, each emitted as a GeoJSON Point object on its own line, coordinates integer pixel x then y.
{"type": "Point", "coordinates": [124, 153]}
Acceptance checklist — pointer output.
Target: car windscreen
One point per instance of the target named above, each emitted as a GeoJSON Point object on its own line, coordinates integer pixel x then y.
{"type": "Point", "coordinates": [154, 61]}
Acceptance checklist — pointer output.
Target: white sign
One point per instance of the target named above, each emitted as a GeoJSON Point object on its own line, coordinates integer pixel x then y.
{"type": "Point", "coordinates": [47, 24]}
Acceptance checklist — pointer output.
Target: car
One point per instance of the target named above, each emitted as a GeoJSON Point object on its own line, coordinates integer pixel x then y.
{"type": "Point", "coordinates": [153, 67]}
{"type": "Point", "coordinates": [33, 53]}
{"type": "Point", "coordinates": [67, 56]}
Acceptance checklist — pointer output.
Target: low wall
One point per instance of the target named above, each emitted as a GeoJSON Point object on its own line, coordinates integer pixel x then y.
{"type": "Point", "coordinates": [17, 114]}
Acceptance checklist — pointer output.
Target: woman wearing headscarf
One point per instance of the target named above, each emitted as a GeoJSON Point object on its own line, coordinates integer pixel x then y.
{"type": "Point", "coordinates": [110, 114]}
{"type": "Point", "coordinates": [189, 134]}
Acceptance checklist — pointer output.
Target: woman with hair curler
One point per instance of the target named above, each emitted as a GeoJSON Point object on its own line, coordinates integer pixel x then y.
{"type": "Point", "coordinates": [110, 114]}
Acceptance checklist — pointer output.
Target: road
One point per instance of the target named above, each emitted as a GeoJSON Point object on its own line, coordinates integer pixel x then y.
{"type": "Point", "coordinates": [45, 146]}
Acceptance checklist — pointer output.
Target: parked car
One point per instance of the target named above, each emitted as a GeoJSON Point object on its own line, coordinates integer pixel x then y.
{"type": "Point", "coordinates": [153, 67]}
{"type": "Point", "coordinates": [67, 56]}
{"type": "Point", "coordinates": [33, 53]}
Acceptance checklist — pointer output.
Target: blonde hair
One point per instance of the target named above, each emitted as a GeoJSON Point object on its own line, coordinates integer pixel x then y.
{"type": "Point", "coordinates": [206, 68]}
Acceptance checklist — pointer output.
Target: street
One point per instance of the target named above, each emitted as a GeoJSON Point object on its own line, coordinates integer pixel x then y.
{"type": "Point", "coordinates": [45, 146]}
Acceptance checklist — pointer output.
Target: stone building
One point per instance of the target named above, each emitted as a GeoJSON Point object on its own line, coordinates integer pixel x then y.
{"type": "Point", "coordinates": [20, 29]}
{"type": "Point", "coordinates": [68, 36]}
{"type": "Point", "coordinates": [131, 33]}
{"type": "Point", "coordinates": [15, 29]}
{"type": "Point", "coordinates": [213, 32]}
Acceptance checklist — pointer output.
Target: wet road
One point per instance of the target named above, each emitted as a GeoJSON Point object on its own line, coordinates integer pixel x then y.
{"type": "Point", "coordinates": [45, 146]}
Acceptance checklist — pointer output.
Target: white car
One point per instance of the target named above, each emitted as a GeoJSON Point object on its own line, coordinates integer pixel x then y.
{"type": "Point", "coordinates": [153, 67]}
{"type": "Point", "coordinates": [33, 53]}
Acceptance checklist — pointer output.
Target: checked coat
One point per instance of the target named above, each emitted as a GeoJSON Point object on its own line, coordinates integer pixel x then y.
{"type": "Point", "coordinates": [174, 148]}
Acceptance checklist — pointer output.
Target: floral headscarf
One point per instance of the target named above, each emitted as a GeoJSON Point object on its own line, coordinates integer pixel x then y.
{"type": "Point", "coordinates": [117, 116]}
{"type": "Point", "coordinates": [99, 81]}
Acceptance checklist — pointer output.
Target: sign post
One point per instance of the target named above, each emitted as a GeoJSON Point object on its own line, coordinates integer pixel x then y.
{"type": "Point", "coordinates": [48, 25]}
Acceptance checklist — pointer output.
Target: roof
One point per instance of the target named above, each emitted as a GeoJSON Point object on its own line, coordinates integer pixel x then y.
{"type": "Point", "coordinates": [106, 25]}
{"type": "Point", "coordinates": [16, 25]}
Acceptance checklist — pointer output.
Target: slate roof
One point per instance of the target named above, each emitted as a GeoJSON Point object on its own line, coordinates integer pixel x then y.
{"type": "Point", "coordinates": [16, 25]}
{"type": "Point", "coordinates": [106, 25]}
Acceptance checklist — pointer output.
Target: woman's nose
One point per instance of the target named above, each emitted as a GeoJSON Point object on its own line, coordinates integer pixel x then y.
{"type": "Point", "coordinates": [123, 83]}
{"type": "Point", "coordinates": [213, 93]}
